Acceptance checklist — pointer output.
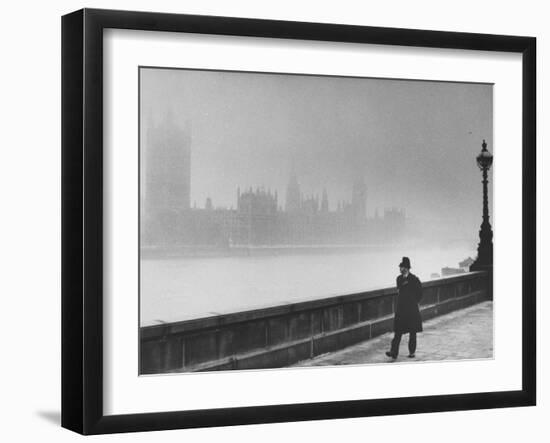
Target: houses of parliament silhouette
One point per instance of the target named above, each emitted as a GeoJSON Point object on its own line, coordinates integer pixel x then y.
{"type": "Point", "coordinates": [169, 220]}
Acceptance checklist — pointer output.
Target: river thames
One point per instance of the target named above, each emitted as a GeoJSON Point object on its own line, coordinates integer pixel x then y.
{"type": "Point", "coordinates": [175, 289]}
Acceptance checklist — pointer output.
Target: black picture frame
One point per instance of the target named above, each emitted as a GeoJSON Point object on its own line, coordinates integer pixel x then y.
{"type": "Point", "coordinates": [82, 220]}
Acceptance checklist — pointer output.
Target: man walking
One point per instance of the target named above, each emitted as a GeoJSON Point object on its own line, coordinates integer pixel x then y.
{"type": "Point", "coordinates": [407, 317]}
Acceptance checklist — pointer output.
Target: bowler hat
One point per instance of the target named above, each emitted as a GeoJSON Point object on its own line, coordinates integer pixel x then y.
{"type": "Point", "coordinates": [405, 263]}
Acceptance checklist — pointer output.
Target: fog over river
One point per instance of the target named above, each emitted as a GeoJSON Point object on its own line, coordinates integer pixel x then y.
{"type": "Point", "coordinates": [174, 289]}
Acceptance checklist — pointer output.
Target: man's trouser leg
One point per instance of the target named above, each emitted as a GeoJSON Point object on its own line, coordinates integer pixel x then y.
{"type": "Point", "coordinates": [395, 344]}
{"type": "Point", "coordinates": [412, 342]}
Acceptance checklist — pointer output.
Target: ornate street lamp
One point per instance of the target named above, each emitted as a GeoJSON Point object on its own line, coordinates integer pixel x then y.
{"type": "Point", "coordinates": [484, 259]}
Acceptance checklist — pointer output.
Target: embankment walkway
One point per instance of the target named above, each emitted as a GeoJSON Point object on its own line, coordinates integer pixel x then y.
{"type": "Point", "coordinates": [463, 334]}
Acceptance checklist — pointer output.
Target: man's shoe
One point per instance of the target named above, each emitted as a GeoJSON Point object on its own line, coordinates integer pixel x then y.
{"type": "Point", "coordinates": [389, 354]}
{"type": "Point", "coordinates": [411, 356]}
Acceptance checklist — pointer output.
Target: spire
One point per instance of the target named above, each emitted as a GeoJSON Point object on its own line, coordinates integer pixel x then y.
{"type": "Point", "coordinates": [293, 193]}
{"type": "Point", "coordinates": [324, 201]}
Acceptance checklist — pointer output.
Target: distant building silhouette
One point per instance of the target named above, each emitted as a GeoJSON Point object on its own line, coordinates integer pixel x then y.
{"type": "Point", "coordinates": [258, 219]}
{"type": "Point", "coordinates": [293, 195]}
{"type": "Point", "coordinates": [359, 199]}
{"type": "Point", "coordinates": [167, 167]}
{"type": "Point", "coordinates": [166, 170]}
{"type": "Point", "coordinates": [324, 202]}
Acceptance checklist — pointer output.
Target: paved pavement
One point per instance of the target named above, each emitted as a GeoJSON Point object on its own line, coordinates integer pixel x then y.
{"type": "Point", "coordinates": [462, 334]}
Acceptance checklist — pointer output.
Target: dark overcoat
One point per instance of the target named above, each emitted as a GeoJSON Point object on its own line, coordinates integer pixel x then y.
{"type": "Point", "coordinates": [407, 314]}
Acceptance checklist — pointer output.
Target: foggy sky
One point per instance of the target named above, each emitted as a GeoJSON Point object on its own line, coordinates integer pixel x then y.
{"type": "Point", "coordinates": [414, 142]}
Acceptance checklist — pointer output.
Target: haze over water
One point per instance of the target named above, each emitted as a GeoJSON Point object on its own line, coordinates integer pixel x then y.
{"type": "Point", "coordinates": [184, 288]}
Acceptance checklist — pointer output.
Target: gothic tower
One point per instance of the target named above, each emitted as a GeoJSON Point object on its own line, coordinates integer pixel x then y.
{"type": "Point", "coordinates": [293, 195]}
{"type": "Point", "coordinates": [359, 199]}
{"type": "Point", "coordinates": [324, 201]}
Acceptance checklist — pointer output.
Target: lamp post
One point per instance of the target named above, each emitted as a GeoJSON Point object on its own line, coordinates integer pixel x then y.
{"type": "Point", "coordinates": [484, 260]}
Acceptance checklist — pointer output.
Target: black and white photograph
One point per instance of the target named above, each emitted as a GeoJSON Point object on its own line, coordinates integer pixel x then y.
{"type": "Point", "coordinates": [290, 220]}
{"type": "Point", "coordinates": [275, 221]}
